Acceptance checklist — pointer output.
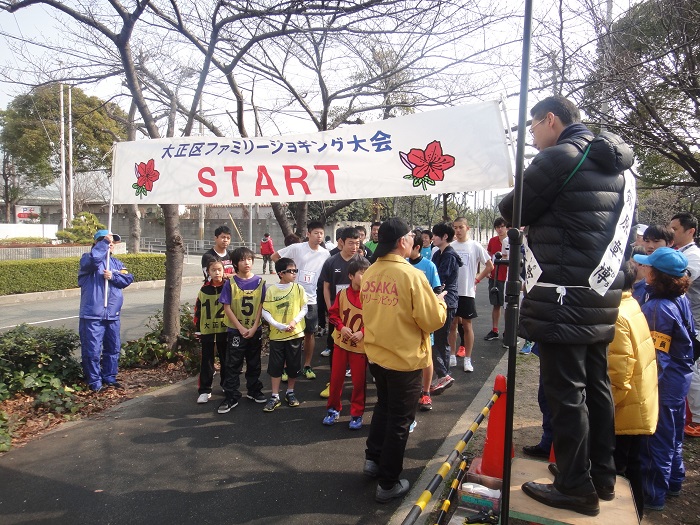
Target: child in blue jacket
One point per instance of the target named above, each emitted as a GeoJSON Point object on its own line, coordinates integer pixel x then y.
{"type": "Point", "coordinates": [99, 324]}
{"type": "Point", "coordinates": [667, 311]}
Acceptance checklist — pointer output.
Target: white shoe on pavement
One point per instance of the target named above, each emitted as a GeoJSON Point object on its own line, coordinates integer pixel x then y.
{"type": "Point", "coordinates": [326, 352]}
{"type": "Point", "coordinates": [468, 364]}
{"type": "Point", "coordinates": [203, 398]}
{"type": "Point", "coordinates": [453, 360]}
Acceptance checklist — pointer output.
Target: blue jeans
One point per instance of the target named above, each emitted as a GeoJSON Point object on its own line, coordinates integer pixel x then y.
{"type": "Point", "coordinates": [441, 349]}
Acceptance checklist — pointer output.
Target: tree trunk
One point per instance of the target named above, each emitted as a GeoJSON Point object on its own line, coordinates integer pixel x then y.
{"type": "Point", "coordinates": [174, 256]}
{"type": "Point", "coordinates": [282, 220]}
{"type": "Point", "coordinates": [301, 216]}
{"type": "Point", "coordinates": [133, 244]}
{"type": "Point", "coordinates": [376, 209]}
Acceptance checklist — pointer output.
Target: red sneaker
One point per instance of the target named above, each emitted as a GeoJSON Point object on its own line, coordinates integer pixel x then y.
{"type": "Point", "coordinates": [692, 430]}
{"type": "Point", "coordinates": [461, 352]}
{"type": "Point", "coordinates": [425, 403]}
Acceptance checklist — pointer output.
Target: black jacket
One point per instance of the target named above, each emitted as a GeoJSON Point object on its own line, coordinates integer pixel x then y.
{"type": "Point", "coordinates": [448, 262]}
{"type": "Point", "coordinates": [570, 227]}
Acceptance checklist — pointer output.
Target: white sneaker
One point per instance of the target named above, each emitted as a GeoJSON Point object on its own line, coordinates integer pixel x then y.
{"type": "Point", "coordinates": [453, 360]}
{"type": "Point", "coordinates": [468, 364]}
{"type": "Point", "coordinates": [348, 373]}
{"type": "Point", "coordinates": [326, 352]}
{"type": "Point", "coordinates": [203, 398]}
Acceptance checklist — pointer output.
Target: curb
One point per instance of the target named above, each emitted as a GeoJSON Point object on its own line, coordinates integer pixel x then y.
{"type": "Point", "coordinates": [448, 445]}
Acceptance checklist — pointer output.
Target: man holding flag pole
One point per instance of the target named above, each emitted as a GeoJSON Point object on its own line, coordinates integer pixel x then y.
{"type": "Point", "coordinates": [101, 279]}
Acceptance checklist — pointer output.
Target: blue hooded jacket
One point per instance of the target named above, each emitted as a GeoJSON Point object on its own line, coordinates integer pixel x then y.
{"type": "Point", "coordinates": [92, 283]}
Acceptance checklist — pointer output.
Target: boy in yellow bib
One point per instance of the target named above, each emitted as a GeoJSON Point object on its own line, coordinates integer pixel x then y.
{"type": "Point", "coordinates": [284, 308]}
{"type": "Point", "coordinates": [241, 298]}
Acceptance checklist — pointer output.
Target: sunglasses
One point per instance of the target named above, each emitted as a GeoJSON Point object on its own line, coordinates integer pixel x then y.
{"type": "Point", "coordinates": [291, 270]}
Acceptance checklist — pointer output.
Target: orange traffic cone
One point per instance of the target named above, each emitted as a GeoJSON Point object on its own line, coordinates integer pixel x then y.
{"type": "Point", "coordinates": [491, 463]}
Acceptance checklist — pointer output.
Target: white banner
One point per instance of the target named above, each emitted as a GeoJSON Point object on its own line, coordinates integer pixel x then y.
{"type": "Point", "coordinates": [443, 151]}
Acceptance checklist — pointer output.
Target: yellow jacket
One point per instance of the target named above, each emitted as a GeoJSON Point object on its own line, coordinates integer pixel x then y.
{"type": "Point", "coordinates": [400, 310]}
{"type": "Point", "coordinates": [632, 370]}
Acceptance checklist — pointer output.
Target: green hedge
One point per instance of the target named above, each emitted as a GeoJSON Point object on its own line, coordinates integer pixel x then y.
{"type": "Point", "coordinates": [41, 275]}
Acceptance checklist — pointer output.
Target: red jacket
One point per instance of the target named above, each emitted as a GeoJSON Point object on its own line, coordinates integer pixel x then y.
{"type": "Point", "coordinates": [496, 245]}
{"type": "Point", "coordinates": [266, 247]}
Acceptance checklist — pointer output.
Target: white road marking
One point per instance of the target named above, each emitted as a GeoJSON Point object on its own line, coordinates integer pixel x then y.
{"type": "Point", "coordinates": [39, 322]}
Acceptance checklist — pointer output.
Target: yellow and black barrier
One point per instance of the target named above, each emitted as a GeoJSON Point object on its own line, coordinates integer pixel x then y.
{"type": "Point", "coordinates": [445, 469]}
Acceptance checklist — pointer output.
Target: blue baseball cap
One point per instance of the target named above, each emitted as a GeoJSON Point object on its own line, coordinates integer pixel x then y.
{"type": "Point", "coordinates": [101, 234]}
{"type": "Point", "coordinates": [666, 260]}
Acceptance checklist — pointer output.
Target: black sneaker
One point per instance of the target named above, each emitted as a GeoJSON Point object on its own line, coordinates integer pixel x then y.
{"type": "Point", "coordinates": [116, 385]}
{"type": "Point", "coordinates": [258, 397]}
{"type": "Point", "coordinates": [291, 399]}
{"type": "Point", "coordinates": [226, 406]}
{"type": "Point", "coordinates": [272, 403]}
{"type": "Point", "coordinates": [491, 336]}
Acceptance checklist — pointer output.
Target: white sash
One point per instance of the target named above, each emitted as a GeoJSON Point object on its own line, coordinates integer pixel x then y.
{"type": "Point", "coordinates": [605, 272]}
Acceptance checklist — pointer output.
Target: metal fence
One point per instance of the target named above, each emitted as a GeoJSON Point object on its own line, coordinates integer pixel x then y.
{"type": "Point", "coordinates": [193, 247]}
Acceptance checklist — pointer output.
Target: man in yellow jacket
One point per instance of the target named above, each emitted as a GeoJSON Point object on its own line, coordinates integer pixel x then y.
{"type": "Point", "coordinates": [400, 310]}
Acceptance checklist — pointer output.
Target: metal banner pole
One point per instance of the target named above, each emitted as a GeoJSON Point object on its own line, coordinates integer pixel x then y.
{"type": "Point", "coordinates": [109, 223]}
{"type": "Point", "coordinates": [512, 294]}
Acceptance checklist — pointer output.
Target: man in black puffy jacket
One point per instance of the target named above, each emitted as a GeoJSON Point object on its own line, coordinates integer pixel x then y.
{"type": "Point", "coordinates": [578, 206]}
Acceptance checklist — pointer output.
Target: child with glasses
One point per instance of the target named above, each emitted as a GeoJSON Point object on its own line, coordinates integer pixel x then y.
{"type": "Point", "coordinates": [284, 308]}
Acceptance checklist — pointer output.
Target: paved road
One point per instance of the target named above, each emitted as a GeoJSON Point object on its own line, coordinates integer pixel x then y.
{"type": "Point", "coordinates": [164, 459]}
{"type": "Point", "coordinates": [141, 301]}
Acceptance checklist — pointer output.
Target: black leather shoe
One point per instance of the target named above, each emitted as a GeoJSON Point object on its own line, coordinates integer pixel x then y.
{"type": "Point", "coordinates": [605, 492]}
{"type": "Point", "coordinates": [536, 451]}
{"type": "Point", "coordinates": [547, 494]}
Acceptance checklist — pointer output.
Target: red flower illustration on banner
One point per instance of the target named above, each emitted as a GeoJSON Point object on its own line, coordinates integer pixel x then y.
{"type": "Point", "coordinates": [427, 167]}
{"type": "Point", "coordinates": [146, 175]}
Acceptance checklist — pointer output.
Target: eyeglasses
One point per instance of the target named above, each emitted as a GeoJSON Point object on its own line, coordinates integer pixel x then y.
{"type": "Point", "coordinates": [291, 270]}
{"type": "Point", "coordinates": [531, 130]}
